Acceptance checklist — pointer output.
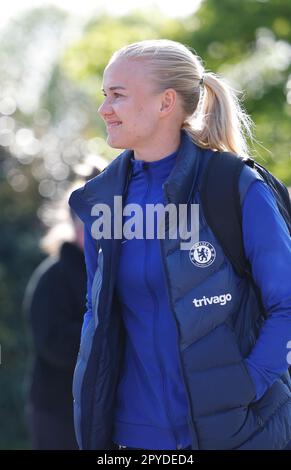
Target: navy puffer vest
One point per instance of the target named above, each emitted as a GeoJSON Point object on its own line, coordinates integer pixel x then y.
{"type": "Point", "coordinates": [213, 338]}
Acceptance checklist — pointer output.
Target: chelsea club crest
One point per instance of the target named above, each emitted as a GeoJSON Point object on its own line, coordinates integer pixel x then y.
{"type": "Point", "coordinates": [202, 254]}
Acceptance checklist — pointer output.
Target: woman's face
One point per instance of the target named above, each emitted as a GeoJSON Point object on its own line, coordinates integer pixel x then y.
{"type": "Point", "coordinates": [131, 109]}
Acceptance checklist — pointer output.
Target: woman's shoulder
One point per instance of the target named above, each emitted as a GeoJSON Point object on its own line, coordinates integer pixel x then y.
{"type": "Point", "coordinates": [45, 274]}
{"type": "Point", "coordinates": [247, 177]}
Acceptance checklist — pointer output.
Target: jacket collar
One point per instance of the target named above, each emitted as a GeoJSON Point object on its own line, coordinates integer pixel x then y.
{"type": "Point", "coordinates": [114, 179]}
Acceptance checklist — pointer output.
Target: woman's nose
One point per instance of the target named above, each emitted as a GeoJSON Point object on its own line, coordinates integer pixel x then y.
{"type": "Point", "coordinates": [105, 108]}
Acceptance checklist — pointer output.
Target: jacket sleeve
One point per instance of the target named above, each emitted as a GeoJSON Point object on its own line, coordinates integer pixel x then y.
{"type": "Point", "coordinates": [91, 259]}
{"type": "Point", "coordinates": [55, 334]}
{"type": "Point", "coordinates": [267, 246]}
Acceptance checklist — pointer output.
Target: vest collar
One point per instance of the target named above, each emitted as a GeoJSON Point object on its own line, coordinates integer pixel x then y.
{"type": "Point", "coordinates": [183, 177]}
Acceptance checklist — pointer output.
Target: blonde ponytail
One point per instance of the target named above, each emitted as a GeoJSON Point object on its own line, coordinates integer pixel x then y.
{"type": "Point", "coordinates": [219, 123]}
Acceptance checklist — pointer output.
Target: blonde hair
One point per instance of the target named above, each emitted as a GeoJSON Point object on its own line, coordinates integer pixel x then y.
{"type": "Point", "coordinates": [60, 221]}
{"type": "Point", "coordinates": [213, 116]}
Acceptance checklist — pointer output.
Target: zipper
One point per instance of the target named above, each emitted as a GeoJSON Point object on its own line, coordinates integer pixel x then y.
{"type": "Point", "coordinates": [194, 431]}
{"type": "Point", "coordinates": [154, 297]}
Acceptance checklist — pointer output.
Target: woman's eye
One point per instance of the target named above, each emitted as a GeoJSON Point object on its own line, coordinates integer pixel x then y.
{"type": "Point", "coordinates": [115, 95]}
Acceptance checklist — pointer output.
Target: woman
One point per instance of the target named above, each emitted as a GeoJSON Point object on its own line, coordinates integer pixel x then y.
{"type": "Point", "coordinates": [163, 364]}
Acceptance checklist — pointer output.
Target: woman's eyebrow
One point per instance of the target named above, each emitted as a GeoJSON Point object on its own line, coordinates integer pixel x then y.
{"type": "Point", "coordinates": [117, 87]}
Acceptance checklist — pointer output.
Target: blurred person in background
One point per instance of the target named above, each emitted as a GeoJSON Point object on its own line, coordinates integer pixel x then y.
{"type": "Point", "coordinates": [55, 304]}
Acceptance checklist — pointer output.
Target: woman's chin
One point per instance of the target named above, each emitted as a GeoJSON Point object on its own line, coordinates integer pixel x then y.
{"type": "Point", "coordinates": [114, 142]}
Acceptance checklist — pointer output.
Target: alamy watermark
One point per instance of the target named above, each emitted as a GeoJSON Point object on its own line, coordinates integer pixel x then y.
{"type": "Point", "coordinates": [155, 221]}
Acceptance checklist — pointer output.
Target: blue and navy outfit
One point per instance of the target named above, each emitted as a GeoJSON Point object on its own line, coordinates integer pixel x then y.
{"type": "Point", "coordinates": [156, 370]}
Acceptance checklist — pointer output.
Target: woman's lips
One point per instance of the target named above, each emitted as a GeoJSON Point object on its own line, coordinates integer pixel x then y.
{"type": "Point", "coordinates": [113, 124]}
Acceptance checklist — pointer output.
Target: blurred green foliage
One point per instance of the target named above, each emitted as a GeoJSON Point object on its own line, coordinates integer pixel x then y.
{"type": "Point", "coordinates": [19, 252]}
{"type": "Point", "coordinates": [249, 42]}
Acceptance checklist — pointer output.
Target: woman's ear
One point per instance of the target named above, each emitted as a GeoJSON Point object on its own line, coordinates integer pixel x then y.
{"type": "Point", "coordinates": [168, 101]}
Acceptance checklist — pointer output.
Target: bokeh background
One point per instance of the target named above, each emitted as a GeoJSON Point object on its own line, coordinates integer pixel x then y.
{"type": "Point", "coordinates": [51, 62]}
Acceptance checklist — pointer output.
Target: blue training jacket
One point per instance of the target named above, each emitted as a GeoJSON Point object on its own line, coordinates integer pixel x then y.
{"type": "Point", "coordinates": [213, 390]}
{"type": "Point", "coordinates": [151, 403]}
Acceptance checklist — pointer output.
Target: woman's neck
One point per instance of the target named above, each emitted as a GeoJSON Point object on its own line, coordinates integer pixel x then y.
{"type": "Point", "coordinates": [158, 148]}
